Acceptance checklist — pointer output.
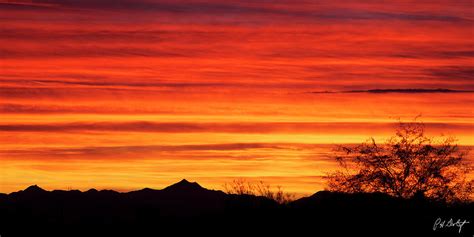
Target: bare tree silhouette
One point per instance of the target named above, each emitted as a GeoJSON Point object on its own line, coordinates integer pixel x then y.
{"type": "Point", "coordinates": [410, 164]}
{"type": "Point", "coordinates": [260, 188]}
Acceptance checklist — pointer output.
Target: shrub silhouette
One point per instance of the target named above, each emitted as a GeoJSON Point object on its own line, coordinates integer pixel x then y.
{"type": "Point", "coordinates": [409, 165]}
{"type": "Point", "coordinates": [260, 188]}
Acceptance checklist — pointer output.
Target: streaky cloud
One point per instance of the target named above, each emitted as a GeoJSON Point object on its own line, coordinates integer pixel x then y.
{"type": "Point", "coordinates": [403, 91]}
{"type": "Point", "coordinates": [453, 73]}
{"type": "Point", "coordinates": [216, 127]}
{"type": "Point", "coordinates": [410, 90]}
{"type": "Point", "coordinates": [224, 9]}
{"type": "Point", "coordinates": [161, 148]}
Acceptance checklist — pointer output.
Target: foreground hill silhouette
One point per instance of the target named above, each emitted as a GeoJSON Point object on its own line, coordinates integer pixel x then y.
{"type": "Point", "coordinates": [188, 208]}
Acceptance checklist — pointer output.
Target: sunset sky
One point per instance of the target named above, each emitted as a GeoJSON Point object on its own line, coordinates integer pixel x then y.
{"type": "Point", "coordinates": [122, 94]}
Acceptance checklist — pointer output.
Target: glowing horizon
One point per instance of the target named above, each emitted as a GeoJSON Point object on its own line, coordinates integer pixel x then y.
{"type": "Point", "coordinates": [131, 94]}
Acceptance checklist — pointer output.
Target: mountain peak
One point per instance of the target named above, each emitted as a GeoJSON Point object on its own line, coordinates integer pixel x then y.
{"type": "Point", "coordinates": [34, 189]}
{"type": "Point", "coordinates": [184, 185]}
{"type": "Point", "coordinates": [92, 190]}
{"type": "Point", "coordinates": [184, 181]}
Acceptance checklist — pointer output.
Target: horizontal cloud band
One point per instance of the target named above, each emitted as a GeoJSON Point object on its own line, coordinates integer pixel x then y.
{"type": "Point", "coordinates": [189, 127]}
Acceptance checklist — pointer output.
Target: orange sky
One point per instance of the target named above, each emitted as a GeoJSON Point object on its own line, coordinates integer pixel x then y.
{"type": "Point", "coordinates": [126, 94]}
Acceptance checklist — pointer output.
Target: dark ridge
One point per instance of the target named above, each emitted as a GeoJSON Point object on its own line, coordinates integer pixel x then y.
{"type": "Point", "coordinates": [184, 185]}
{"type": "Point", "coordinates": [185, 208]}
{"type": "Point", "coordinates": [145, 190]}
{"type": "Point", "coordinates": [92, 190]}
{"type": "Point", "coordinates": [329, 199]}
{"type": "Point", "coordinates": [34, 189]}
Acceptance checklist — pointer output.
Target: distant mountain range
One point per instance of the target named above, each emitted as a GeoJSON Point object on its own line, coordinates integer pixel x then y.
{"type": "Point", "coordinates": [188, 208]}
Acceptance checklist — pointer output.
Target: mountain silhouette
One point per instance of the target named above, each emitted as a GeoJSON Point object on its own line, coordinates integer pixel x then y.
{"type": "Point", "coordinates": [188, 208]}
{"type": "Point", "coordinates": [185, 186]}
{"type": "Point", "coordinates": [34, 189]}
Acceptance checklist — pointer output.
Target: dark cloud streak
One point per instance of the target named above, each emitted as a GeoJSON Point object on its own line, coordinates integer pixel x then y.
{"type": "Point", "coordinates": [189, 127]}
{"type": "Point", "coordinates": [152, 148]}
{"type": "Point", "coordinates": [402, 91]}
{"type": "Point", "coordinates": [238, 8]}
